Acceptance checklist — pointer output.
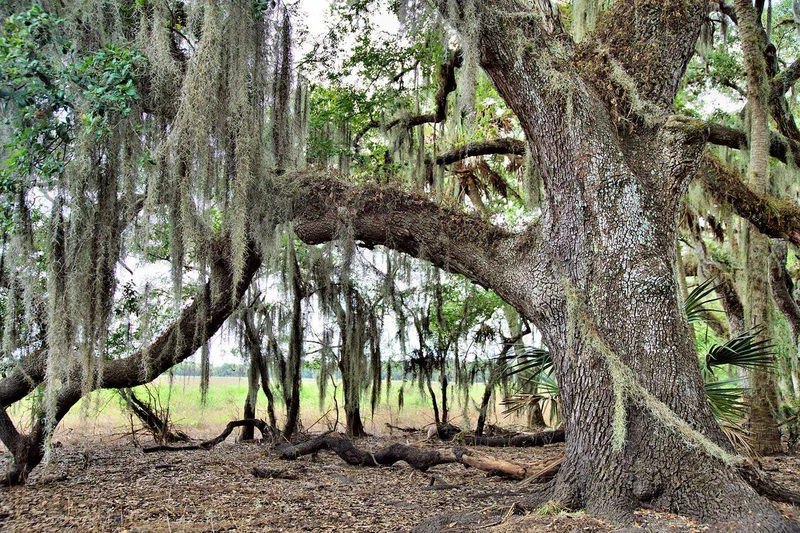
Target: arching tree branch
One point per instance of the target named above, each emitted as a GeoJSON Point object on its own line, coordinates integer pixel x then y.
{"type": "Point", "coordinates": [450, 239]}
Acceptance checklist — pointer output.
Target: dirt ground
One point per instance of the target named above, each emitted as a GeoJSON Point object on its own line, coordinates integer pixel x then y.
{"type": "Point", "coordinates": [116, 487]}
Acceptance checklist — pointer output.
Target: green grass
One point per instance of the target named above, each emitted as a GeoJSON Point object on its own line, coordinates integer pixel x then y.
{"type": "Point", "coordinates": [103, 414]}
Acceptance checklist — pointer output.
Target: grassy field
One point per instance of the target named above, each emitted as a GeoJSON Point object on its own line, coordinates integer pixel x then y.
{"type": "Point", "coordinates": [102, 415]}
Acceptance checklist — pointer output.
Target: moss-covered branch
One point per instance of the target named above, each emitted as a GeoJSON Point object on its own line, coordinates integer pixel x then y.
{"type": "Point", "coordinates": [490, 147]}
{"type": "Point", "coordinates": [772, 217]}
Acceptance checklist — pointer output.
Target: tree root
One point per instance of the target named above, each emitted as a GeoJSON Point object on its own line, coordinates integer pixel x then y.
{"type": "Point", "coordinates": [262, 426]}
{"type": "Point", "coordinates": [766, 487]}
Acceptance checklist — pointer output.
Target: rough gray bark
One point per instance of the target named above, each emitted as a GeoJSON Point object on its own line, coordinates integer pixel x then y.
{"type": "Point", "coordinates": [292, 384]}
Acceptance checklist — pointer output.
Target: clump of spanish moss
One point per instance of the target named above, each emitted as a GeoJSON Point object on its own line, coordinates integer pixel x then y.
{"type": "Point", "coordinates": [184, 157]}
{"type": "Point", "coordinates": [584, 16]}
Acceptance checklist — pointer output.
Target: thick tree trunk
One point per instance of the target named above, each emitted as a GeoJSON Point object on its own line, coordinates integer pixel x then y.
{"type": "Point", "coordinates": [355, 427]}
{"type": "Point", "coordinates": [443, 380]}
{"type": "Point", "coordinates": [249, 413]}
{"type": "Point", "coordinates": [484, 407]}
{"type": "Point", "coordinates": [265, 386]}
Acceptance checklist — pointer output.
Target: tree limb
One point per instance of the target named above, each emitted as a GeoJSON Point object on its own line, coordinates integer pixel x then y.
{"type": "Point", "coordinates": [450, 239]}
{"type": "Point", "coordinates": [786, 78]}
{"type": "Point", "coordinates": [447, 84]}
{"type": "Point", "coordinates": [772, 217]}
{"type": "Point", "coordinates": [780, 147]}
{"type": "Point", "coordinates": [781, 285]}
{"type": "Point", "coordinates": [494, 146]}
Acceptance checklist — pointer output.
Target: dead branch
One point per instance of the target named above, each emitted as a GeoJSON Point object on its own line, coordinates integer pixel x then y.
{"type": "Point", "coordinates": [157, 425]}
{"type": "Point", "coordinates": [344, 448]}
{"type": "Point", "coordinates": [403, 429]}
{"type": "Point", "coordinates": [269, 473]}
{"type": "Point", "coordinates": [262, 426]}
{"type": "Point", "coordinates": [516, 441]}
{"type": "Point", "coordinates": [415, 457]}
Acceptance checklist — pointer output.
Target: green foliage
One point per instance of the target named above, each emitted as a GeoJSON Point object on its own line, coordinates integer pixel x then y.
{"type": "Point", "coordinates": [32, 89]}
{"type": "Point", "coordinates": [725, 399]}
{"type": "Point", "coordinates": [745, 350]}
{"type": "Point", "coordinates": [694, 306]}
{"type": "Point", "coordinates": [108, 78]}
{"type": "Point", "coordinates": [45, 82]}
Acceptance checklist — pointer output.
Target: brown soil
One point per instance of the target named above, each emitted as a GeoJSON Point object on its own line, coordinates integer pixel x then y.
{"type": "Point", "coordinates": [116, 487]}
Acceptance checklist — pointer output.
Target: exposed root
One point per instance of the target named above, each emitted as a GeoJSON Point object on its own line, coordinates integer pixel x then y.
{"type": "Point", "coordinates": [766, 487]}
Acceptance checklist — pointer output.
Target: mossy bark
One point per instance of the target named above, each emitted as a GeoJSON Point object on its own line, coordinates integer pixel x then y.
{"type": "Point", "coordinates": [762, 397]}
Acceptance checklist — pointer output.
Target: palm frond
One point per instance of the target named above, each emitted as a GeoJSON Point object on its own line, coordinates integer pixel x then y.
{"type": "Point", "coordinates": [519, 402]}
{"type": "Point", "coordinates": [744, 351]}
{"type": "Point", "coordinates": [694, 306]}
{"type": "Point", "coordinates": [725, 399]}
{"type": "Point", "coordinates": [739, 437]}
{"type": "Point", "coordinates": [547, 385]}
{"type": "Point", "coordinates": [531, 361]}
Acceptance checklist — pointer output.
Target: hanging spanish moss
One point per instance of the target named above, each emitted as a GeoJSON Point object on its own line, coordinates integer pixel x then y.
{"type": "Point", "coordinates": [180, 150]}
{"type": "Point", "coordinates": [584, 16]}
{"type": "Point", "coordinates": [467, 16]}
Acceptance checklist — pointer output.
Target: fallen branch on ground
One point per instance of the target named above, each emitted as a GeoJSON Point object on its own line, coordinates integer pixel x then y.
{"type": "Point", "coordinates": [262, 426]}
{"type": "Point", "coordinates": [517, 441]}
{"type": "Point", "coordinates": [346, 450]}
{"type": "Point", "coordinates": [406, 429]}
{"type": "Point", "coordinates": [269, 473]}
{"type": "Point", "coordinates": [415, 457]}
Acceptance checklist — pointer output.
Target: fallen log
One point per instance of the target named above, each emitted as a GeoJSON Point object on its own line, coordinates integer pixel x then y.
{"type": "Point", "coordinates": [403, 429]}
{"type": "Point", "coordinates": [210, 443]}
{"type": "Point", "coordinates": [517, 441]}
{"type": "Point", "coordinates": [346, 450]}
{"type": "Point", "coordinates": [492, 465]}
{"type": "Point", "coordinates": [415, 457]}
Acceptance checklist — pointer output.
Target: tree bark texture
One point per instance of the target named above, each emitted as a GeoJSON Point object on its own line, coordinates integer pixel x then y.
{"type": "Point", "coordinates": [762, 396]}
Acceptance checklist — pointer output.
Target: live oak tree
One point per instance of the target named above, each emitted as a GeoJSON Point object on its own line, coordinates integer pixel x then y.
{"type": "Point", "coordinates": [595, 272]}
{"type": "Point", "coordinates": [615, 163]}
